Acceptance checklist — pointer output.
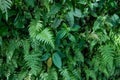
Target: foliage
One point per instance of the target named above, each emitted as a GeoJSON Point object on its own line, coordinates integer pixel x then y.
{"type": "Point", "coordinates": [59, 40]}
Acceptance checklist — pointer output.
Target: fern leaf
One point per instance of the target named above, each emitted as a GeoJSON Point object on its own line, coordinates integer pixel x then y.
{"type": "Point", "coordinates": [37, 33]}
{"type": "Point", "coordinates": [32, 62]}
{"type": "Point", "coordinates": [90, 73]}
{"type": "Point", "coordinates": [46, 37]}
{"type": "Point", "coordinates": [65, 74]}
{"type": "Point", "coordinates": [5, 4]}
{"type": "Point", "coordinates": [35, 27]}
{"type": "Point", "coordinates": [107, 57]}
{"type": "Point", "coordinates": [26, 46]}
{"type": "Point", "coordinates": [117, 61]}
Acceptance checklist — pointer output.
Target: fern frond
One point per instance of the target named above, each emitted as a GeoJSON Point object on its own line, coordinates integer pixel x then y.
{"type": "Point", "coordinates": [46, 37]}
{"type": "Point", "coordinates": [35, 27]}
{"type": "Point", "coordinates": [33, 63]}
{"type": "Point", "coordinates": [65, 74]}
{"type": "Point", "coordinates": [90, 74]}
{"type": "Point", "coordinates": [11, 49]}
{"type": "Point", "coordinates": [107, 58]}
{"type": "Point", "coordinates": [37, 33]}
{"type": "Point", "coordinates": [5, 4]}
{"type": "Point", "coordinates": [117, 61]}
{"type": "Point", "coordinates": [26, 46]}
{"type": "Point", "coordinates": [50, 75]}
{"type": "Point", "coordinates": [44, 76]}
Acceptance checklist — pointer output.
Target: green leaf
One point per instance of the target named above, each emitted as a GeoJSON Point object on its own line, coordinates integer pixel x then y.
{"type": "Point", "coordinates": [70, 18]}
{"type": "Point", "coordinates": [26, 46]}
{"type": "Point", "coordinates": [75, 28]}
{"type": "Point", "coordinates": [56, 22]}
{"type": "Point", "coordinates": [19, 21]}
{"type": "Point", "coordinates": [57, 60]}
{"type": "Point", "coordinates": [3, 31]}
{"type": "Point", "coordinates": [30, 3]}
{"type": "Point", "coordinates": [60, 35]}
{"type": "Point", "coordinates": [45, 57]}
{"type": "Point", "coordinates": [32, 62]}
{"type": "Point", "coordinates": [77, 13]}
{"type": "Point", "coordinates": [82, 2]}
{"type": "Point", "coordinates": [97, 23]}
{"type": "Point", "coordinates": [46, 3]}
{"type": "Point", "coordinates": [72, 38]}
{"type": "Point", "coordinates": [54, 9]}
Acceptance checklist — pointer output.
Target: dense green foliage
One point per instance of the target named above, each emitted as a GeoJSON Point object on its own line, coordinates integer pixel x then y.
{"type": "Point", "coordinates": [59, 40]}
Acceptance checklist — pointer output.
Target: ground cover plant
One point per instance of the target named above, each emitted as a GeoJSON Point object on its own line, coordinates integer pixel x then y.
{"type": "Point", "coordinates": [59, 40]}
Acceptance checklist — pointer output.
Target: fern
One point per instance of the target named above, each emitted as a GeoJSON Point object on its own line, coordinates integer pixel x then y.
{"type": "Point", "coordinates": [34, 28]}
{"type": "Point", "coordinates": [4, 5]}
{"type": "Point", "coordinates": [65, 74]}
{"type": "Point", "coordinates": [26, 46]}
{"type": "Point", "coordinates": [33, 63]}
{"type": "Point", "coordinates": [117, 61]}
{"type": "Point", "coordinates": [90, 74]}
{"type": "Point", "coordinates": [43, 76]}
{"type": "Point", "coordinates": [50, 75]}
{"type": "Point", "coordinates": [32, 60]}
{"type": "Point", "coordinates": [46, 37]}
{"type": "Point", "coordinates": [107, 57]}
{"type": "Point", "coordinates": [43, 35]}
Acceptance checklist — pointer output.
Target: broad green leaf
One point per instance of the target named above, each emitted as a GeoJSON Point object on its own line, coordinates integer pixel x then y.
{"type": "Point", "coordinates": [77, 13]}
{"type": "Point", "coordinates": [45, 57]}
{"type": "Point", "coordinates": [56, 22]}
{"type": "Point", "coordinates": [57, 60]}
{"type": "Point", "coordinates": [98, 23]}
{"type": "Point", "coordinates": [62, 55]}
{"type": "Point", "coordinates": [60, 35]}
{"type": "Point", "coordinates": [72, 38]}
{"type": "Point", "coordinates": [114, 19]}
{"type": "Point", "coordinates": [54, 9]}
{"type": "Point", "coordinates": [75, 28]}
{"type": "Point", "coordinates": [82, 2]}
{"type": "Point", "coordinates": [70, 18]}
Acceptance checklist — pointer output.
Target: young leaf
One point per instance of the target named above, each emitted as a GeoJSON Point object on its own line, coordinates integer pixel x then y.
{"type": "Point", "coordinates": [49, 63]}
{"type": "Point", "coordinates": [57, 60]}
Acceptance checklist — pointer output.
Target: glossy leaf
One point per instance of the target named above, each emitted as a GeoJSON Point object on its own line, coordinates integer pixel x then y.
{"type": "Point", "coordinates": [57, 60]}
